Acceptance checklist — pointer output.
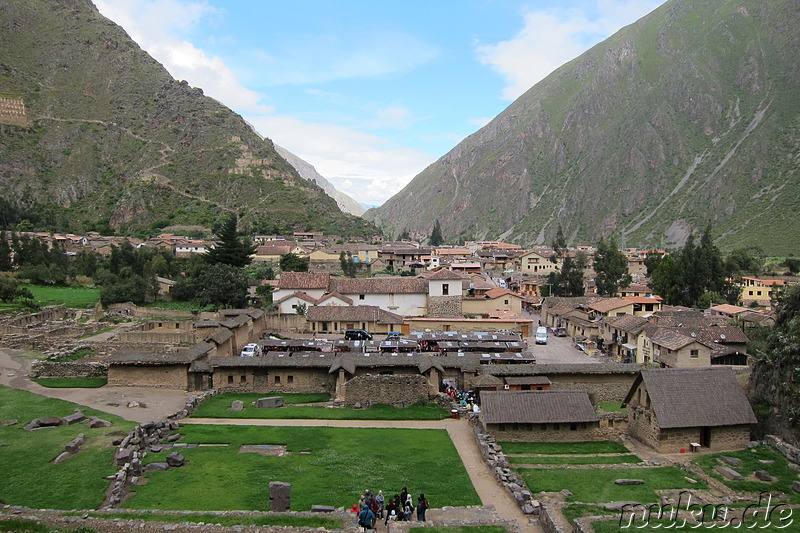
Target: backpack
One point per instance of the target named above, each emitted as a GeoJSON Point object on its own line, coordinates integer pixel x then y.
{"type": "Point", "coordinates": [364, 519]}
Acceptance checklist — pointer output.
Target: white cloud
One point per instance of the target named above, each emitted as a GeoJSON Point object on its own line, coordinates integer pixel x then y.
{"type": "Point", "coordinates": [156, 26]}
{"type": "Point", "coordinates": [551, 38]}
{"type": "Point", "coordinates": [341, 153]}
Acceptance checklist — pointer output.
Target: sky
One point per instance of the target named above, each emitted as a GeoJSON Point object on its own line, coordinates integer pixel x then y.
{"type": "Point", "coordinates": [369, 92]}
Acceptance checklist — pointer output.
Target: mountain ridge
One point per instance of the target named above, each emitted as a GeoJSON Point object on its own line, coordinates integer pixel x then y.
{"type": "Point", "coordinates": [680, 120]}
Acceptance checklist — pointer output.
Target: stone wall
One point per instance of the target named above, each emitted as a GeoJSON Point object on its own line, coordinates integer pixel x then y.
{"type": "Point", "coordinates": [166, 337]}
{"type": "Point", "coordinates": [792, 453]}
{"type": "Point", "coordinates": [444, 306]}
{"type": "Point", "coordinates": [723, 438]}
{"type": "Point", "coordinates": [564, 433]}
{"type": "Point", "coordinates": [601, 387]}
{"type": "Point", "coordinates": [285, 323]}
{"type": "Point", "coordinates": [288, 380]}
{"type": "Point", "coordinates": [552, 520]}
{"type": "Point", "coordinates": [402, 389]}
{"type": "Point", "coordinates": [159, 377]}
{"type": "Point", "coordinates": [131, 309]}
{"type": "Point", "coordinates": [53, 369]}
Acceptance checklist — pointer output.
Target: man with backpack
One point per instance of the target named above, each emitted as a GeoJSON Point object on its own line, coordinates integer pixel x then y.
{"type": "Point", "coordinates": [366, 518]}
{"type": "Point", "coordinates": [422, 506]}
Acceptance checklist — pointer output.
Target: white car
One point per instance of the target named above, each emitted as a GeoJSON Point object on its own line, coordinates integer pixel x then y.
{"type": "Point", "coordinates": [250, 350]}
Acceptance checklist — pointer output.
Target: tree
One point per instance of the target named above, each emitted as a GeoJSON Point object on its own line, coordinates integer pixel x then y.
{"type": "Point", "coordinates": [792, 265]}
{"type": "Point", "coordinates": [436, 238]}
{"type": "Point", "coordinates": [404, 236]}
{"type": "Point", "coordinates": [293, 263]}
{"type": "Point", "coordinates": [220, 285]}
{"type": "Point", "coordinates": [611, 267]}
{"type": "Point", "coordinates": [347, 264]}
{"type": "Point", "coordinates": [568, 280]}
{"type": "Point", "coordinates": [265, 292]}
{"type": "Point", "coordinates": [301, 309]}
{"type": "Point", "coordinates": [5, 253]}
{"type": "Point", "coordinates": [230, 249]}
{"type": "Point", "coordinates": [745, 261]}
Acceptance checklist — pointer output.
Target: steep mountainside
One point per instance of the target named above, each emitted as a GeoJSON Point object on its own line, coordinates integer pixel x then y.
{"type": "Point", "coordinates": [686, 118]}
{"type": "Point", "coordinates": [93, 132]}
{"type": "Point", "coordinates": [307, 171]}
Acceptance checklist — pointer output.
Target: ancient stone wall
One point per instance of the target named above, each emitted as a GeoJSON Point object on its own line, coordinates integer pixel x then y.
{"type": "Point", "coordinates": [790, 452]}
{"type": "Point", "coordinates": [552, 520]}
{"type": "Point", "coordinates": [564, 433]}
{"type": "Point", "coordinates": [602, 387]}
{"type": "Point", "coordinates": [285, 323]}
{"type": "Point", "coordinates": [288, 380]}
{"type": "Point", "coordinates": [12, 111]}
{"type": "Point", "coordinates": [54, 369]}
{"type": "Point", "coordinates": [402, 389]}
{"type": "Point", "coordinates": [165, 337]}
{"type": "Point", "coordinates": [131, 309]}
{"type": "Point", "coordinates": [724, 438]}
{"type": "Point", "coordinates": [642, 426]}
{"type": "Point", "coordinates": [444, 306]}
{"type": "Point", "coordinates": [159, 377]}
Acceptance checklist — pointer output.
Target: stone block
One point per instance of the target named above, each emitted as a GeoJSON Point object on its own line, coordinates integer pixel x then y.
{"type": "Point", "coordinates": [270, 403]}
{"type": "Point", "coordinates": [728, 473]}
{"type": "Point", "coordinates": [173, 438]}
{"type": "Point", "coordinates": [63, 456]}
{"type": "Point", "coordinates": [322, 508]}
{"type": "Point", "coordinates": [74, 418]}
{"type": "Point", "coordinates": [9, 422]}
{"type": "Point", "coordinates": [175, 459]}
{"type": "Point", "coordinates": [94, 422]}
{"type": "Point", "coordinates": [794, 466]}
{"type": "Point", "coordinates": [75, 444]}
{"type": "Point", "coordinates": [763, 475]}
{"type": "Point", "coordinates": [279, 496]}
{"type": "Point", "coordinates": [732, 461]}
{"type": "Point", "coordinates": [123, 455]}
{"type": "Point", "coordinates": [796, 486]}
{"type": "Point", "coordinates": [157, 467]}
{"type": "Point", "coordinates": [629, 482]}
{"type": "Point", "coordinates": [237, 405]}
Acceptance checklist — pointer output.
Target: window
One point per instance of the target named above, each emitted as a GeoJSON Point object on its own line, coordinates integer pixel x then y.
{"type": "Point", "coordinates": [501, 427]}
{"type": "Point", "coordinates": [573, 427]}
{"type": "Point", "coordinates": [289, 379]}
{"type": "Point", "coordinates": [360, 296]}
{"type": "Point", "coordinates": [505, 302]}
{"type": "Point", "coordinates": [277, 379]}
{"type": "Point", "coordinates": [544, 427]}
{"type": "Point", "coordinates": [694, 354]}
{"type": "Point", "coordinates": [446, 289]}
{"type": "Point", "coordinates": [230, 380]}
{"type": "Point", "coordinates": [242, 379]}
{"type": "Point", "coordinates": [556, 427]}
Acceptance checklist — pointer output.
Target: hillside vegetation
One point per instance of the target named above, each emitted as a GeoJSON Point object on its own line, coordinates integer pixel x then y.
{"type": "Point", "coordinates": [108, 140]}
{"type": "Point", "coordinates": [686, 118]}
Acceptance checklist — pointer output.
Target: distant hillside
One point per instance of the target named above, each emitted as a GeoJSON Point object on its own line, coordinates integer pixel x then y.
{"type": "Point", "coordinates": [686, 118]}
{"type": "Point", "coordinates": [307, 171]}
{"type": "Point", "coordinates": [94, 132]}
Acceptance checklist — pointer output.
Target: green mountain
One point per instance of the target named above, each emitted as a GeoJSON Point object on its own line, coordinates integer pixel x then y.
{"type": "Point", "coordinates": [686, 118]}
{"type": "Point", "coordinates": [96, 133]}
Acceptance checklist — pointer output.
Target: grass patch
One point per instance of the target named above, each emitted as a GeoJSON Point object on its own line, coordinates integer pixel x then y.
{"type": "Point", "coordinates": [219, 407]}
{"type": "Point", "coordinates": [172, 306]}
{"type": "Point", "coordinates": [576, 510]}
{"type": "Point", "coordinates": [28, 476]}
{"type": "Point", "coordinates": [227, 520]}
{"type": "Point", "coordinates": [19, 525]}
{"type": "Point", "coordinates": [99, 331]}
{"type": "Point", "coordinates": [78, 354]}
{"type": "Point", "coordinates": [595, 485]}
{"type": "Point", "coordinates": [458, 529]}
{"type": "Point", "coordinates": [71, 383]}
{"type": "Point", "coordinates": [558, 448]}
{"type": "Point", "coordinates": [750, 463]}
{"type": "Point", "coordinates": [573, 460]}
{"type": "Point", "coordinates": [328, 466]}
{"type": "Point", "coordinates": [611, 407]}
{"type": "Point", "coordinates": [73, 297]}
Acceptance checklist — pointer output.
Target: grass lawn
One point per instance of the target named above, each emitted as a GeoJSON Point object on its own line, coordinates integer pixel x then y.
{"type": "Point", "coordinates": [611, 407]}
{"type": "Point", "coordinates": [573, 511]}
{"type": "Point", "coordinates": [71, 383]}
{"type": "Point", "coordinates": [227, 520]}
{"type": "Point", "coordinates": [458, 529]}
{"type": "Point", "coordinates": [558, 448]}
{"type": "Point", "coordinates": [750, 463]}
{"type": "Point", "coordinates": [574, 460]}
{"type": "Point", "coordinates": [20, 525]}
{"type": "Point", "coordinates": [75, 297]}
{"type": "Point", "coordinates": [219, 407]}
{"type": "Point", "coordinates": [596, 485]}
{"type": "Point", "coordinates": [28, 477]}
{"type": "Point", "coordinates": [327, 466]}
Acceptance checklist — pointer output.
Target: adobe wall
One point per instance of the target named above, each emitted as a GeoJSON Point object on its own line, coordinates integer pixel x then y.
{"type": "Point", "coordinates": [53, 369]}
{"type": "Point", "coordinates": [393, 389]}
{"type": "Point", "coordinates": [263, 381]}
{"type": "Point", "coordinates": [642, 426]}
{"type": "Point", "coordinates": [724, 438]}
{"type": "Point", "coordinates": [285, 323]}
{"type": "Point", "coordinates": [444, 306]}
{"type": "Point", "coordinates": [593, 432]}
{"type": "Point", "coordinates": [602, 387]}
{"type": "Point", "coordinates": [134, 310]}
{"type": "Point", "coordinates": [160, 337]}
{"type": "Point", "coordinates": [160, 377]}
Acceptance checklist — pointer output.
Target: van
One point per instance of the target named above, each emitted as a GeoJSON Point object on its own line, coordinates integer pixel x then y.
{"type": "Point", "coordinates": [357, 335]}
{"type": "Point", "coordinates": [541, 335]}
{"type": "Point", "coordinates": [251, 350]}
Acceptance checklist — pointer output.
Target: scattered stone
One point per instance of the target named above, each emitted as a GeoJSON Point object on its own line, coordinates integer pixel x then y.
{"type": "Point", "coordinates": [75, 444]}
{"type": "Point", "coordinates": [794, 466]}
{"type": "Point", "coordinates": [616, 506]}
{"type": "Point", "coordinates": [237, 405]}
{"type": "Point", "coordinates": [94, 422]}
{"type": "Point", "coordinates": [132, 404]}
{"type": "Point", "coordinates": [279, 496]}
{"type": "Point", "coordinates": [655, 463]}
{"type": "Point", "coordinates": [763, 475]}
{"type": "Point", "coordinates": [74, 418]}
{"type": "Point", "coordinates": [156, 448]}
{"type": "Point", "coordinates": [157, 467]}
{"type": "Point", "coordinates": [322, 508]}
{"type": "Point", "coordinates": [173, 438]}
{"type": "Point", "coordinates": [123, 455]}
{"type": "Point", "coordinates": [45, 422]}
{"type": "Point", "coordinates": [9, 422]}
{"type": "Point", "coordinates": [796, 486]}
{"type": "Point", "coordinates": [175, 459]}
{"type": "Point", "coordinates": [766, 461]}
{"type": "Point", "coordinates": [357, 405]}
{"type": "Point", "coordinates": [729, 473]}
{"type": "Point", "coordinates": [629, 482]}
{"type": "Point", "coordinates": [690, 480]}
{"type": "Point", "coordinates": [63, 456]}
{"type": "Point", "coordinates": [732, 461]}
{"type": "Point", "coordinates": [116, 442]}
{"type": "Point", "coordinates": [270, 403]}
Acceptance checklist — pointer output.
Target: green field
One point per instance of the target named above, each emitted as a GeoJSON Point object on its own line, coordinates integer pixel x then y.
{"type": "Point", "coordinates": [573, 459]}
{"type": "Point", "coordinates": [327, 466]}
{"type": "Point", "coordinates": [29, 478]}
{"type": "Point", "coordinates": [558, 448]}
{"type": "Point", "coordinates": [71, 383]}
{"type": "Point", "coordinates": [74, 297]}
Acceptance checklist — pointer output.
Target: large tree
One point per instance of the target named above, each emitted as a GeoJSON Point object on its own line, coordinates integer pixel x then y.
{"type": "Point", "coordinates": [220, 285]}
{"type": "Point", "coordinates": [568, 280]}
{"type": "Point", "coordinates": [436, 235]}
{"type": "Point", "coordinates": [230, 249]}
{"type": "Point", "coordinates": [611, 268]}
{"type": "Point", "coordinates": [293, 263]}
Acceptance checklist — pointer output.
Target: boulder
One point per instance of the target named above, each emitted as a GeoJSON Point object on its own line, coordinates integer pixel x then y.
{"type": "Point", "coordinates": [157, 467]}
{"type": "Point", "coordinates": [796, 486]}
{"type": "Point", "coordinates": [173, 438]}
{"type": "Point", "coordinates": [763, 475]}
{"type": "Point", "coordinates": [75, 444]}
{"type": "Point", "coordinates": [794, 466]}
{"type": "Point", "coordinates": [175, 459]}
{"type": "Point", "coordinates": [279, 496]}
{"type": "Point", "coordinates": [732, 461]}
{"type": "Point", "coordinates": [629, 482]}
{"type": "Point", "coordinates": [94, 422]}
{"type": "Point", "coordinates": [123, 455]}
{"type": "Point", "coordinates": [270, 403]}
{"type": "Point", "coordinates": [9, 422]}
{"type": "Point", "coordinates": [133, 403]}
{"type": "Point", "coordinates": [237, 405]}
{"type": "Point", "coordinates": [728, 473]}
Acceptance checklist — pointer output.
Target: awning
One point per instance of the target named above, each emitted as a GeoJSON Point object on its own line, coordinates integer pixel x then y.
{"type": "Point", "coordinates": [628, 346]}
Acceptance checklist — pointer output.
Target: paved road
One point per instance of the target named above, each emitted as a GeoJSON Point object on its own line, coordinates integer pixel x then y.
{"type": "Point", "coordinates": [557, 350]}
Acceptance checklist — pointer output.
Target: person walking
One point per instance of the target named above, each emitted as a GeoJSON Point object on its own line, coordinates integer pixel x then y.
{"type": "Point", "coordinates": [422, 506]}
{"type": "Point", "coordinates": [379, 499]}
{"type": "Point", "coordinates": [366, 518]}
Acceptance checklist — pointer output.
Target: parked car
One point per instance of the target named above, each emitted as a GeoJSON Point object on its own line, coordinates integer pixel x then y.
{"type": "Point", "coordinates": [357, 335]}
{"type": "Point", "coordinates": [251, 350]}
{"type": "Point", "coordinates": [559, 332]}
{"type": "Point", "coordinates": [393, 336]}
